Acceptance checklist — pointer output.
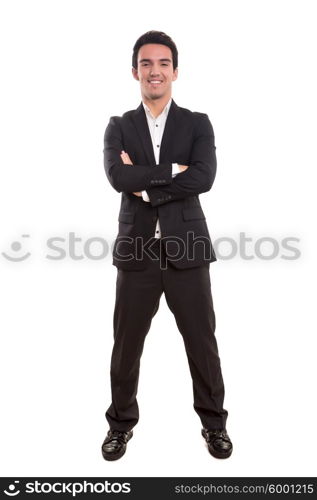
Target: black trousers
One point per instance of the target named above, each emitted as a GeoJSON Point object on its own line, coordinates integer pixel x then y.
{"type": "Point", "coordinates": [188, 295]}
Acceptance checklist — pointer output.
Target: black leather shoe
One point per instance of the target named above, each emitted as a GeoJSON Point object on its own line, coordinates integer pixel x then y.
{"type": "Point", "coordinates": [115, 444]}
{"type": "Point", "coordinates": [218, 441]}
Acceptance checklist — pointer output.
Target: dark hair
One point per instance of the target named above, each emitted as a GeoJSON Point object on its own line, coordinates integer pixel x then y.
{"type": "Point", "coordinates": [154, 37]}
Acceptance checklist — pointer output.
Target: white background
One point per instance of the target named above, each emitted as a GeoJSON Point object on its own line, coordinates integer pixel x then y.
{"type": "Point", "coordinates": [66, 68]}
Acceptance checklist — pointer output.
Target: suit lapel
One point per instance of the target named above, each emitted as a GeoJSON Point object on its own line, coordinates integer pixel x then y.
{"type": "Point", "coordinates": [142, 128]}
{"type": "Point", "coordinates": [141, 125]}
{"type": "Point", "coordinates": [169, 133]}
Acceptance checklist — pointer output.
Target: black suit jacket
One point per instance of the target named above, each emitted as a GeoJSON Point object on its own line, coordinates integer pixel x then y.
{"type": "Point", "coordinates": [188, 139]}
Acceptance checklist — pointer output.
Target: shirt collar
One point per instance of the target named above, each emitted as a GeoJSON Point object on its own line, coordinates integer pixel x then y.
{"type": "Point", "coordinates": [165, 110]}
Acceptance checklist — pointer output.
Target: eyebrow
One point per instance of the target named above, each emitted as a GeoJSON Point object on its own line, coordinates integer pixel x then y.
{"type": "Point", "coordinates": [149, 60]}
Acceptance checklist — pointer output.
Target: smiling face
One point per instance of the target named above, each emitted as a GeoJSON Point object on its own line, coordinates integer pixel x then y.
{"type": "Point", "coordinates": [155, 72]}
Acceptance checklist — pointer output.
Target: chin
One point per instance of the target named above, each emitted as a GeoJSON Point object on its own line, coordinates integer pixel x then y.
{"type": "Point", "coordinates": [155, 96]}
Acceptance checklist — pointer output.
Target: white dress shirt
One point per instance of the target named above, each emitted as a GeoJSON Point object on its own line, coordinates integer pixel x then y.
{"type": "Point", "coordinates": [156, 128]}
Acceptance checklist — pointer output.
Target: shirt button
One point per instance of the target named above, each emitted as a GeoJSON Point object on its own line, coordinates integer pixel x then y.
{"type": "Point", "coordinates": [157, 145]}
{"type": "Point", "coordinates": [156, 231]}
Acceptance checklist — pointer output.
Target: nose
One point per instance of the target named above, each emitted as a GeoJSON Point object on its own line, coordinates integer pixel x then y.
{"type": "Point", "coordinates": [154, 71]}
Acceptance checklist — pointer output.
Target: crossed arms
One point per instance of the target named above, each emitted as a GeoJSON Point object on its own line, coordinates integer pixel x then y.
{"type": "Point", "coordinates": [158, 182]}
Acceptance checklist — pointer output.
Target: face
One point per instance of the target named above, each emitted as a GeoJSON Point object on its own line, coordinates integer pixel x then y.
{"type": "Point", "coordinates": [155, 71]}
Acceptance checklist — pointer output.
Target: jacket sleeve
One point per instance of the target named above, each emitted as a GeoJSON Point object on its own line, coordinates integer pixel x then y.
{"type": "Point", "coordinates": [130, 178]}
{"type": "Point", "coordinates": [200, 175]}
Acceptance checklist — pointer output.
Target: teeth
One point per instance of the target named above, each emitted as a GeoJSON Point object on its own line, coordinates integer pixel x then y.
{"type": "Point", "coordinates": [155, 81]}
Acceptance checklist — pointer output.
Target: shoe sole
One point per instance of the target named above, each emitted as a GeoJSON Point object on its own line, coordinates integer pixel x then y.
{"type": "Point", "coordinates": [111, 458]}
{"type": "Point", "coordinates": [213, 452]}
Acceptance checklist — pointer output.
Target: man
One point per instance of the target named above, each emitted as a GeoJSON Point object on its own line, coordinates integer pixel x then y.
{"type": "Point", "coordinates": [161, 157]}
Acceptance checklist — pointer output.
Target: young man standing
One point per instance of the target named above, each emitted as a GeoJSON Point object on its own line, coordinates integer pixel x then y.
{"type": "Point", "coordinates": [160, 157]}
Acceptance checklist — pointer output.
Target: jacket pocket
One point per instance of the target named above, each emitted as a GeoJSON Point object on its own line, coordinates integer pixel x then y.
{"type": "Point", "coordinates": [192, 213]}
{"type": "Point", "coordinates": [127, 217]}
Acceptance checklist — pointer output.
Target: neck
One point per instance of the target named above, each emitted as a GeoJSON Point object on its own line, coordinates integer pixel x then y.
{"type": "Point", "coordinates": [156, 105]}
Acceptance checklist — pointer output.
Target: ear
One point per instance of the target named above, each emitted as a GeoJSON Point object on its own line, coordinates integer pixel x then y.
{"type": "Point", "coordinates": [175, 74]}
{"type": "Point", "coordinates": [135, 73]}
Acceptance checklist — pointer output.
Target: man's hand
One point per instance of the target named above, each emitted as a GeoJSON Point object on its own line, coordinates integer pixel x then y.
{"type": "Point", "coordinates": [126, 158]}
{"type": "Point", "coordinates": [127, 161]}
{"type": "Point", "coordinates": [182, 168]}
